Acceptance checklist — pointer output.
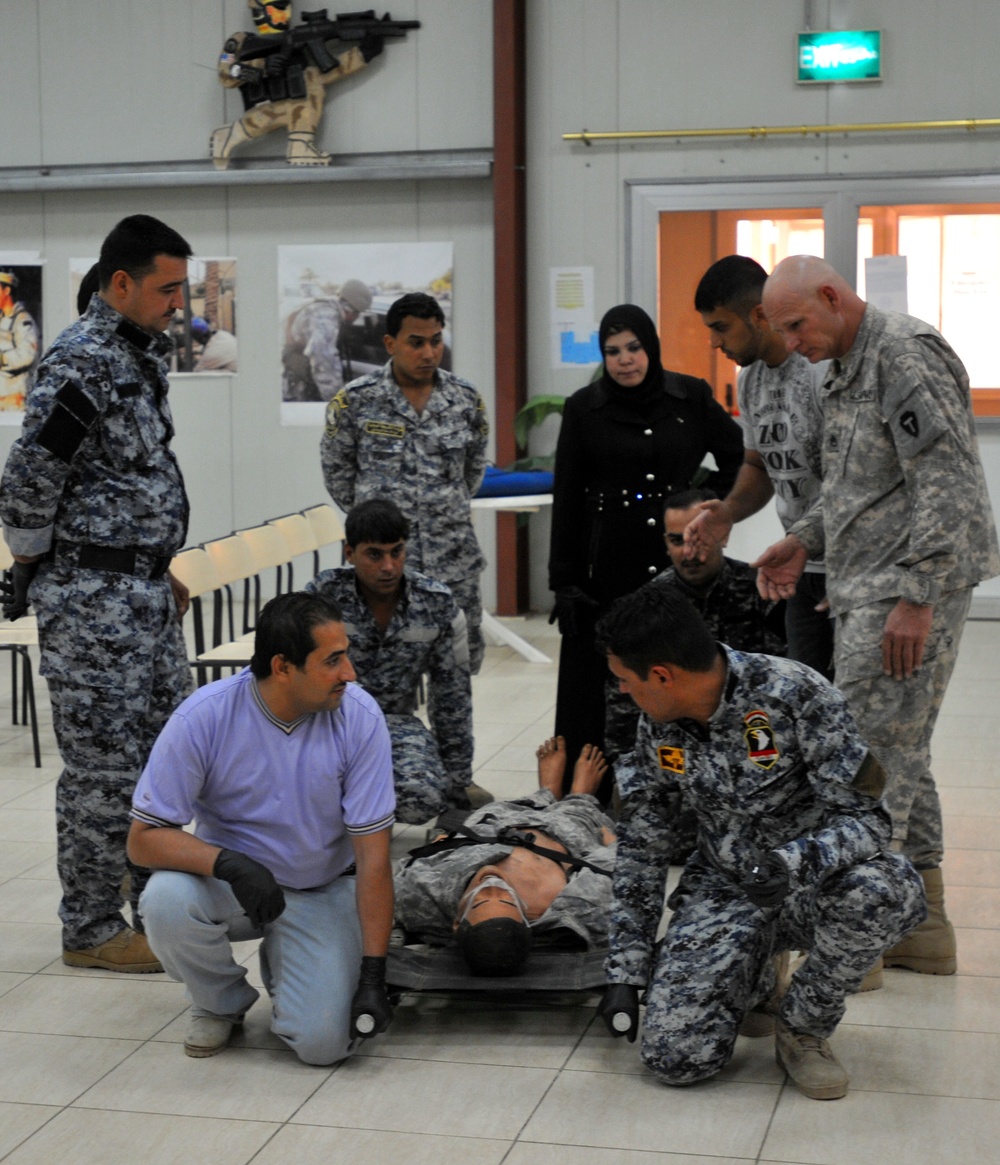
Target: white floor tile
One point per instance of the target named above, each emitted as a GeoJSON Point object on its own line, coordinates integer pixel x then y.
{"type": "Point", "coordinates": [628, 1112]}
{"type": "Point", "coordinates": [87, 1135]}
{"type": "Point", "coordinates": [883, 1127]}
{"type": "Point", "coordinates": [419, 1096]}
{"type": "Point", "coordinates": [308, 1145]}
{"type": "Point", "coordinates": [19, 1121]}
{"type": "Point", "coordinates": [56, 1069]}
{"type": "Point", "coordinates": [529, 1153]}
{"type": "Point", "coordinates": [240, 1084]}
{"type": "Point", "coordinates": [116, 1008]}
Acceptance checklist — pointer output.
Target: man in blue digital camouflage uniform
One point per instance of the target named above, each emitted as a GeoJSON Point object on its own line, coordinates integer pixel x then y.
{"type": "Point", "coordinates": [793, 850]}
{"type": "Point", "coordinates": [94, 507]}
{"type": "Point", "coordinates": [401, 625]}
{"type": "Point", "coordinates": [417, 434]}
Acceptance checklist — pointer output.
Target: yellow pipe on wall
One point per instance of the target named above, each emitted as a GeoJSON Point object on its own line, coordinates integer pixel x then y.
{"type": "Point", "coordinates": [763, 131]}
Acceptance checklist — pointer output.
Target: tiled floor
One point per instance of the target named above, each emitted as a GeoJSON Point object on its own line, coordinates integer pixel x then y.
{"type": "Point", "coordinates": [91, 1067]}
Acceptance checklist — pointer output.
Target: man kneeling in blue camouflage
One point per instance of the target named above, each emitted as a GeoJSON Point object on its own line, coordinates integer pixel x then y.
{"type": "Point", "coordinates": [792, 850]}
{"type": "Point", "coordinates": [402, 625]}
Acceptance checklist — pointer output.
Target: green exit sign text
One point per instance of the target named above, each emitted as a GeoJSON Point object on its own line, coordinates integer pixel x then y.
{"type": "Point", "coordinates": [839, 56]}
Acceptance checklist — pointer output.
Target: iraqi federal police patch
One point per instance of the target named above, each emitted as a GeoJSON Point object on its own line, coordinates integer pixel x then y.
{"type": "Point", "coordinates": [671, 759]}
{"type": "Point", "coordinates": [759, 735]}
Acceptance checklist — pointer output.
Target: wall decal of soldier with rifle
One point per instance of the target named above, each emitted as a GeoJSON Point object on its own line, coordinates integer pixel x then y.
{"type": "Point", "coordinates": [282, 72]}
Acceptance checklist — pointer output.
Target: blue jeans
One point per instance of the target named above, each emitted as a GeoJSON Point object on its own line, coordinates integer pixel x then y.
{"type": "Point", "coordinates": [810, 632]}
{"type": "Point", "coordinates": [310, 956]}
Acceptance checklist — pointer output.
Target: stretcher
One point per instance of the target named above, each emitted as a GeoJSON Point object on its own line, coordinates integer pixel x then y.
{"type": "Point", "coordinates": [421, 967]}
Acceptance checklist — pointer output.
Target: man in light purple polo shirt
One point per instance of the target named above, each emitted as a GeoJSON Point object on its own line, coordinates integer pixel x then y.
{"type": "Point", "coordinates": [286, 770]}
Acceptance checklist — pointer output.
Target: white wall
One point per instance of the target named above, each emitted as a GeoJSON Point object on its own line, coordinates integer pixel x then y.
{"type": "Point", "coordinates": [674, 64]}
{"type": "Point", "coordinates": [135, 82]}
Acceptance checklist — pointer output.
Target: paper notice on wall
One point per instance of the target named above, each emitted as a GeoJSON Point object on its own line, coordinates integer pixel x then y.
{"type": "Point", "coordinates": [574, 331]}
{"type": "Point", "coordinates": [885, 282]}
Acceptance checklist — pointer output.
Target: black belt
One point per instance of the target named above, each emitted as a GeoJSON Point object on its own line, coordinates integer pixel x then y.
{"type": "Point", "coordinates": [144, 563]}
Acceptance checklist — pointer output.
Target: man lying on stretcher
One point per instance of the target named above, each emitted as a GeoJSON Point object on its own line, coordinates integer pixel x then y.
{"type": "Point", "coordinates": [514, 872]}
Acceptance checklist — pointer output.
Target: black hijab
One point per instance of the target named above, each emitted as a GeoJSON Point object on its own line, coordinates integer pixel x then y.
{"type": "Point", "coordinates": [626, 317]}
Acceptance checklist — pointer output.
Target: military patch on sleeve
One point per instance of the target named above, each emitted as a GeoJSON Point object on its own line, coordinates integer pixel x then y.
{"type": "Point", "coordinates": [68, 423]}
{"type": "Point", "coordinates": [333, 409]}
{"type": "Point", "coordinates": [384, 429]}
{"type": "Point", "coordinates": [671, 759]}
{"type": "Point", "coordinates": [759, 735]}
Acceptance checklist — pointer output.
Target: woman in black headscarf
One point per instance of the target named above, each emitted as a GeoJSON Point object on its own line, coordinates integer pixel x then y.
{"type": "Point", "coordinates": [627, 441]}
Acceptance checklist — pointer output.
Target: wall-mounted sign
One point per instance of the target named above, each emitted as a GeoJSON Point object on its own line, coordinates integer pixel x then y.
{"type": "Point", "coordinates": [825, 57]}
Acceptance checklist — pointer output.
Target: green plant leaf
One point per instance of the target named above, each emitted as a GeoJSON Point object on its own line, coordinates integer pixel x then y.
{"type": "Point", "coordinates": [533, 413]}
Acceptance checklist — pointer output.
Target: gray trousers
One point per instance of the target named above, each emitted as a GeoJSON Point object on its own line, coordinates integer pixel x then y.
{"type": "Point", "coordinates": [310, 956]}
{"type": "Point", "coordinates": [897, 717]}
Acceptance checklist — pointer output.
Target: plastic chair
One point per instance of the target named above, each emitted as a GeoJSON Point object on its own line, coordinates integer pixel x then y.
{"type": "Point", "coordinates": [300, 536]}
{"type": "Point", "coordinates": [328, 528]}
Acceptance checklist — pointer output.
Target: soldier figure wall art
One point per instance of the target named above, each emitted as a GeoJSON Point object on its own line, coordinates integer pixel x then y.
{"type": "Point", "coordinates": [282, 72]}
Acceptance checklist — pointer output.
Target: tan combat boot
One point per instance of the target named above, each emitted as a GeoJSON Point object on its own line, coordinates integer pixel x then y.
{"type": "Point", "coordinates": [224, 140]}
{"type": "Point", "coordinates": [930, 949]}
{"type": "Point", "coordinates": [127, 951]}
{"type": "Point", "coordinates": [302, 152]}
{"type": "Point", "coordinates": [813, 1068]}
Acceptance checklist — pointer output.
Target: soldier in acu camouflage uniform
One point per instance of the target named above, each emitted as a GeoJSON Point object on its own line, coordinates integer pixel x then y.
{"type": "Point", "coordinates": [907, 530]}
{"type": "Point", "coordinates": [401, 625]}
{"type": "Point", "coordinates": [312, 363]}
{"type": "Point", "coordinates": [93, 500]}
{"type": "Point", "coordinates": [792, 849]}
{"type": "Point", "coordinates": [417, 434]}
{"type": "Point", "coordinates": [483, 878]}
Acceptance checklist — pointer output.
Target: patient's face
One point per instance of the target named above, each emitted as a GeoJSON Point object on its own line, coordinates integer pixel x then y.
{"type": "Point", "coordinates": [487, 901]}
{"type": "Point", "coordinates": [534, 879]}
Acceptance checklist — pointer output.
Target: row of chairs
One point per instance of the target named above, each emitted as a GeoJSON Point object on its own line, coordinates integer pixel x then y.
{"type": "Point", "coordinates": [246, 557]}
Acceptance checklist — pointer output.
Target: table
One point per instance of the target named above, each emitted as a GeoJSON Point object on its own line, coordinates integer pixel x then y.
{"type": "Point", "coordinates": [497, 632]}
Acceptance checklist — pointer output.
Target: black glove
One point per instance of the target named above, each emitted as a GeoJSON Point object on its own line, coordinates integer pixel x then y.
{"type": "Point", "coordinates": [620, 1010]}
{"type": "Point", "coordinates": [570, 602]}
{"type": "Point", "coordinates": [14, 590]}
{"type": "Point", "coordinates": [371, 46]}
{"type": "Point", "coordinates": [253, 884]}
{"type": "Point", "coordinates": [371, 1011]}
{"type": "Point", "coordinates": [769, 882]}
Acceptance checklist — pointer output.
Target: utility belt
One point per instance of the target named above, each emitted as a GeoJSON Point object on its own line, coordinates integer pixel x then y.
{"type": "Point", "coordinates": [130, 560]}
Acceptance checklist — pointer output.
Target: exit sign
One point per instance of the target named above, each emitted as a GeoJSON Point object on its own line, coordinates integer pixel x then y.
{"type": "Point", "coordinates": [826, 57]}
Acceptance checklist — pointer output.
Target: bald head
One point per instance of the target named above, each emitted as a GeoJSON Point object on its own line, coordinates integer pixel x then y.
{"type": "Point", "coordinates": [812, 307]}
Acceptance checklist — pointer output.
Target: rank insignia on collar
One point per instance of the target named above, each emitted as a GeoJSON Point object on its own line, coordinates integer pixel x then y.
{"type": "Point", "coordinates": [671, 759]}
{"type": "Point", "coordinates": [759, 735]}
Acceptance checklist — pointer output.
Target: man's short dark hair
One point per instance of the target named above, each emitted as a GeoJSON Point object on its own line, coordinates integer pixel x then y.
{"type": "Point", "coordinates": [134, 244]}
{"type": "Point", "coordinates": [656, 625]}
{"type": "Point", "coordinates": [498, 946]}
{"type": "Point", "coordinates": [285, 628]}
{"type": "Point", "coordinates": [417, 304]}
{"type": "Point", "coordinates": [735, 282]}
{"type": "Point", "coordinates": [684, 499]}
{"type": "Point", "coordinates": [377, 520]}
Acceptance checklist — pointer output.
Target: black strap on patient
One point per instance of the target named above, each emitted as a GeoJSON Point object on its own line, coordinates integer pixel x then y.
{"type": "Point", "coordinates": [460, 836]}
